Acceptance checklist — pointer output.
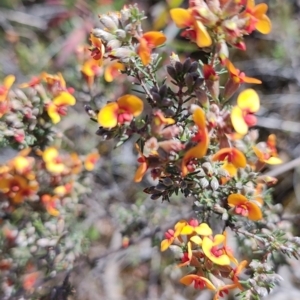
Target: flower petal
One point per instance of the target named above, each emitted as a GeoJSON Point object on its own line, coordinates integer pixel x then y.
{"type": "Point", "coordinates": [238, 122]}
{"type": "Point", "coordinates": [131, 104]}
{"type": "Point", "coordinates": [8, 81]}
{"type": "Point", "coordinates": [140, 172]}
{"type": "Point", "coordinates": [165, 244]}
{"type": "Point", "coordinates": [273, 161]}
{"type": "Point", "coordinates": [108, 115]}
{"type": "Point", "coordinates": [181, 17]}
{"type": "Point", "coordinates": [247, 79]}
{"type": "Point", "coordinates": [264, 25]}
{"type": "Point", "coordinates": [248, 100]}
{"type": "Point", "coordinates": [154, 38]}
{"type": "Point", "coordinates": [64, 98]}
{"type": "Point", "coordinates": [260, 10]}
{"type": "Point", "coordinates": [188, 229]}
{"type": "Point", "coordinates": [254, 212]}
{"type": "Point", "coordinates": [188, 279]}
{"type": "Point", "coordinates": [203, 229]}
{"type": "Point", "coordinates": [236, 199]}
{"type": "Point", "coordinates": [203, 38]}
{"type": "Point", "coordinates": [196, 239]}
{"type": "Point", "coordinates": [199, 117]}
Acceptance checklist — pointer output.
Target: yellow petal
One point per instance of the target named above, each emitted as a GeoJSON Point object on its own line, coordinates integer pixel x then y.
{"type": "Point", "coordinates": [50, 154]}
{"type": "Point", "coordinates": [248, 100]}
{"type": "Point", "coordinates": [188, 229]}
{"type": "Point", "coordinates": [274, 161]}
{"type": "Point", "coordinates": [219, 239]}
{"type": "Point", "coordinates": [238, 122]}
{"type": "Point", "coordinates": [8, 81]}
{"type": "Point", "coordinates": [53, 114]}
{"type": "Point", "coordinates": [165, 244]}
{"type": "Point", "coordinates": [181, 17]}
{"type": "Point", "coordinates": [196, 239]}
{"type": "Point", "coordinates": [132, 104]}
{"type": "Point", "coordinates": [230, 168]}
{"type": "Point", "coordinates": [260, 10]}
{"type": "Point", "coordinates": [64, 98]}
{"type": "Point", "coordinates": [254, 212]}
{"type": "Point", "coordinates": [108, 115]}
{"type": "Point", "coordinates": [264, 25]}
{"type": "Point", "coordinates": [203, 229]}
{"type": "Point", "coordinates": [178, 227]}
{"type": "Point", "coordinates": [203, 38]}
{"type": "Point", "coordinates": [199, 117]}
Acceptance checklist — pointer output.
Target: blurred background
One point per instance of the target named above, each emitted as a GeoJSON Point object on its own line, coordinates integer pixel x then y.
{"type": "Point", "coordinates": [37, 36]}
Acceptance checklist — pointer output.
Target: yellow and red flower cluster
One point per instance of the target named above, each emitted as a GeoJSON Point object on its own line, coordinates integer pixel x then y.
{"type": "Point", "coordinates": [20, 183]}
{"type": "Point", "coordinates": [212, 260]}
{"type": "Point", "coordinates": [61, 96]}
{"type": "Point", "coordinates": [4, 90]}
{"type": "Point", "coordinates": [222, 21]}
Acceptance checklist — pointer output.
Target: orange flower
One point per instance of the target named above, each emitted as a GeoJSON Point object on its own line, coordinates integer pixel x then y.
{"type": "Point", "coordinates": [98, 49]}
{"type": "Point", "coordinates": [149, 41]}
{"type": "Point", "coordinates": [187, 256]}
{"type": "Point", "coordinates": [91, 160]}
{"type": "Point", "coordinates": [90, 69]}
{"type": "Point", "coordinates": [201, 138]}
{"type": "Point", "coordinates": [32, 83]}
{"type": "Point", "coordinates": [22, 164]}
{"type": "Point", "coordinates": [63, 190]}
{"type": "Point", "coordinates": [193, 226]}
{"type": "Point", "coordinates": [18, 188]}
{"type": "Point", "coordinates": [242, 115]}
{"type": "Point", "coordinates": [58, 106]}
{"type": "Point", "coordinates": [257, 18]}
{"type": "Point", "coordinates": [54, 163]}
{"type": "Point", "coordinates": [196, 31]}
{"type": "Point", "coordinates": [199, 282]}
{"type": "Point", "coordinates": [215, 253]}
{"type": "Point", "coordinates": [50, 204]}
{"type": "Point", "coordinates": [242, 206]}
{"type": "Point", "coordinates": [113, 70]}
{"type": "Point", "coordinates": [238, 76]}
{"type": "Point", "coordinates": [171, 235]}
{"type": "Point", "coordinates": [55, 83]}
{"type": "Point", "coordinates": [4, 89]}
{"type": "Point", "coordinates": [269, 153]}
{"type": "Point", "coordinates": [233, 158]}
{"type": "Point", "coordinates": [145, 162]}
{"type": "Point", "coordinates": [123, 110]}
{"type": "Point", "coordinates": [30, 280]}
{"type": "Point", "coordinates": [236, 273]}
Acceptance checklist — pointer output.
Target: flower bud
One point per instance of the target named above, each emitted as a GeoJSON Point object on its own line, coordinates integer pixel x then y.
{"type": "Point", "coordinates": [113, 44]}
{"type": "Point", "coordinates": [108, 23]}
{"type": "Point", "coordinates": [230, 88]}
{"type": "Point", "coordinates": [102, 34]}
{"type": "Point", "coordinates": [121, 34]}
{"type": "Point", "coordinates": [122, 53]}
{"type": "Point", "coordinates": [202, 97]}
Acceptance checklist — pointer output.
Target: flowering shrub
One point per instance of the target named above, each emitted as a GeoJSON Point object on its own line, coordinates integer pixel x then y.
{"type": "Point", "coordinates": [187, 135]}
{"type": "Point", "coordinates": [193, 141]}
